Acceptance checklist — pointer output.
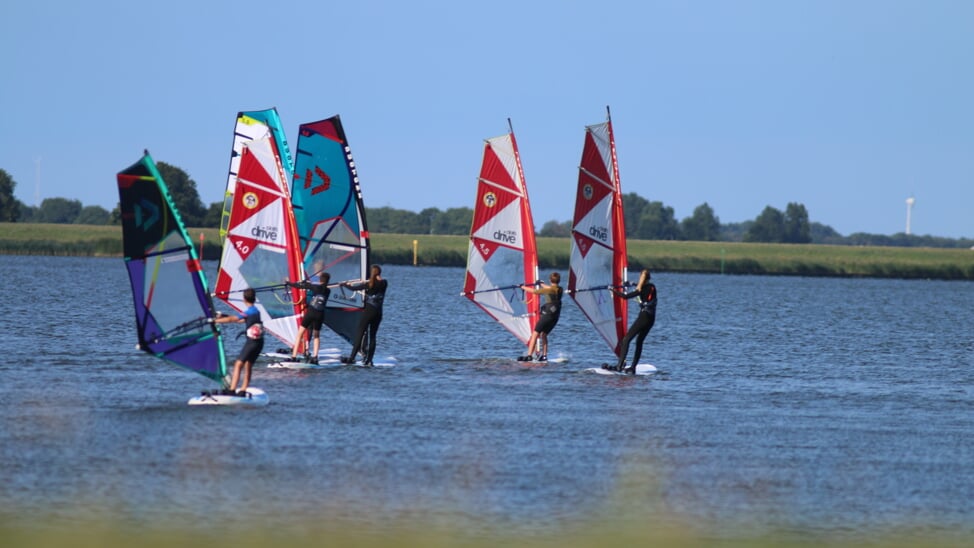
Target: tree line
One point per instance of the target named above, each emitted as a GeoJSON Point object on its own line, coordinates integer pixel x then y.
{"type": "Point", "coordinates": [644, 219]}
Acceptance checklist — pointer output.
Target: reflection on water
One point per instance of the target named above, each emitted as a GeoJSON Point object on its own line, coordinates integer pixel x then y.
{"type": "Point", "coordinates": [797, 403]}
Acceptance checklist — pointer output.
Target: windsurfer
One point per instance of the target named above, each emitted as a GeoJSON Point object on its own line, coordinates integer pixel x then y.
{"type": "Point", "coordinates": [255, 339]}
{"type": "Point", "coordinates": [550, 312]}
{"type": "Point", "coordinates": [646, 292]}
{"type": "Point", "coordinates": [314, 313]}
{"type": "Point", "coordinates": [375, 294]}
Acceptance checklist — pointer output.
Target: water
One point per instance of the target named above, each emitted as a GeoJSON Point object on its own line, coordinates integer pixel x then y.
{"type": "Point", "coordinates": [819, 406]}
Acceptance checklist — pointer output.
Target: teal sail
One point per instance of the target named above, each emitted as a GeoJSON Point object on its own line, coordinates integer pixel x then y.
{"type": "Point", "coordinates": [173, 308]}
{"type": "Point", "coordinates": [330, 216]}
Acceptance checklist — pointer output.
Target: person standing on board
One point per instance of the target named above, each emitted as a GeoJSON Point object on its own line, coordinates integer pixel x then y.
{"type": "Point", "coordinates": [314, 313]}
{"type": "Point", "coordinates": [255, 339]}
{"type": "Point", "coordinates": [550, 312]}
{"type": "Point", "coordinates": [375, 294]}
{"type": "Point", "coordinates": [646, 293]}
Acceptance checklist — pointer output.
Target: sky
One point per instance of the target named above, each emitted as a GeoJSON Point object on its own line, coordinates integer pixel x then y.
{"type": "Point", "coordinates": [848, 107]}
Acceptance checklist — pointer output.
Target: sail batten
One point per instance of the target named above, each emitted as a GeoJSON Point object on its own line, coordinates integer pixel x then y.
{"type": "Point", "coordinates": [502, 253]}
{"type": "Point", "coordinates": [173, 308]}
{"type": "Point", "coordinates": [260, 248]}
{"type": "Point", "coordinates": [329, 211]}
{"type": "Point", "coordinates": [250, 125]}
{"type": "Point", "coordinates": [598, 257]}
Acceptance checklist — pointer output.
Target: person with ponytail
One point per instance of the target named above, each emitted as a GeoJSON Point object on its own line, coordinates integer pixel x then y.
{"type": "Point", "coordinates": [375, 294]}
{"type": "Point", "coordinates": [646, 293]}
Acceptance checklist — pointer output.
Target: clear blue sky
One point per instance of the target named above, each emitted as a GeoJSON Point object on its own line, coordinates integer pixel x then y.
{"type": "Point", "coordinates": [847, 106]}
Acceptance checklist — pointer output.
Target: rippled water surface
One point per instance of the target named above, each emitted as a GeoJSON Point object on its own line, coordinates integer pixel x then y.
{"type": "Point", "coordinates": [791, 403]}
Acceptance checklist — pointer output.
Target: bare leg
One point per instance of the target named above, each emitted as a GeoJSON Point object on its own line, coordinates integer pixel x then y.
{"type": "Point", "coordinates": [236, 374]}
{"type": "Point", "coordinates": [532, 343]}
{"type": "Point", "coordinates": [248, 367]}
{"type": "Point", "coordinates": [317, 344]}
{"type": "Point", "coordinates": [297, 342]}
{"type": "Point", "coordinates": [544, 344]}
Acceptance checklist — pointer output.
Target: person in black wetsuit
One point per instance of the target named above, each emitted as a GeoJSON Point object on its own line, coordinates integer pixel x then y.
{"type": "Point", "coordinates": [646, 293]}
{"type": "Point", "coordinates": [550, 312]}
{"type": "Point", "coordinates": [255, 339]}
{"type": "Point", "coordinates": [314, 314]}
{"type": "Point", "coordinates": [375, 294]}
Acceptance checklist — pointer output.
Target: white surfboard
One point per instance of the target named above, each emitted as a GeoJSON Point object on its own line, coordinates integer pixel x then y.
{"type": "Point", "coordinates": [323, 353]}
{"type": "Point", "coordinates": [255, 398]}
{"type": "Point", "coordinates": [330, 363]}
{"type": "Point", "coordinates": [641, 369]}
{"type": "Point", "coordinates": [551, 359]}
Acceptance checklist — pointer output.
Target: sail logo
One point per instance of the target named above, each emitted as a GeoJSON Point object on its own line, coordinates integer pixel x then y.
{"type": "Point", "coordinates": [599, 233]}
{"type": "Point", "coordinates": [264, 233]}
{"type": "Point", "coordinates": [146, 214]}
{"type": "Point", "coordinates": [490, 199]}
{"type": "Point", "coordinates": [587, 191]}
{"type": "Point", "coordinates": [506, 236]}
{"type": "Point", "coordinates": [250, 200]}
{"type": "Point", "coordinates": [309, 180]}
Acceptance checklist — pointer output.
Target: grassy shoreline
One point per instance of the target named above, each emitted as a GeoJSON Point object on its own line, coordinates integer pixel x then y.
{"type": "Point", "coordinates": [673, 256]}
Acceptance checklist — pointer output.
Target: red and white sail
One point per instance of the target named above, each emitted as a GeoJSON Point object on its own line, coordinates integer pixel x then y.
{"type": "Point", "coordinates": [502, 254]}
{"type": "Point", "coordinates": [598, 255]}
{"type": "Point", "coordinates": [261, 250]}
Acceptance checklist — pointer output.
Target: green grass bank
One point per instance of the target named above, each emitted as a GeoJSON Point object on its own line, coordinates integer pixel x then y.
{"type": "Point", "coordinates": [673, 256]}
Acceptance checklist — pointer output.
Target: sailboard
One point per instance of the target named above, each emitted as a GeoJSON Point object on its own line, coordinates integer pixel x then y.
{"type": "Point", "coordinates": [259, 251]}
{"type": "Point", "coordinates": [598, 243]}
{"type": "Point", "coordinates": [330, 216]}
{"type": "Point", "coordinates": [598, 257]}
{"type": "Point", "coordinates": [641, 370]}
{"type": "Point", "coordinates": [250, 125]}
{"type": "Point", "coordinates": [502, 253]}
{"type": "Point", "coordinates": [173, 308]}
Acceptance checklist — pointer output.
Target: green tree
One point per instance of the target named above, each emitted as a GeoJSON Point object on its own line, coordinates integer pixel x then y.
{"type": "Point", "coordinates": [657, 222]}
{"type": "Point", "coordinates": [797, 229]}
{"type": "Point", "coordinates": [703, 225]}
{"type": "Point", "coordinates": [632, 210]}
{"type": "Point", "coordinates": [456, 220]}
{"type": "Point", "coordinates": [769, 226]}
{"type": "Point", "coordinates": [58, 210]}
{"type": "Point", "coordinates": [184, 194]}
{"type": "Point", "coordinates": [213, 215]}
{"type": "Point", "coordinates": [10, 206]}
{"type": "Point", "coordinates": [27, 213]}
{"type": "Point", "coordinates": [92, 215]}
{"type": "Point", "coordinates": [554, 229]}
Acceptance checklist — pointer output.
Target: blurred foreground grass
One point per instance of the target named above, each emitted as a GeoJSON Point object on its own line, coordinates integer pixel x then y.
{"type": "Point", "coordinates": [349, 534]}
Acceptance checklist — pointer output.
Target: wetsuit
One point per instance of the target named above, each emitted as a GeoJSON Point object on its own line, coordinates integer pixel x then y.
{"type": "Point", "coordinates": [551, 310]}
{"type": "Point", "coordinates": [314, 313]}
{"type": "Point", "coordinates": [639, 328]}
{"type": "Point", "coordinates": [254, 345]}
{"type": "Point", "coordinates": [371, 317]}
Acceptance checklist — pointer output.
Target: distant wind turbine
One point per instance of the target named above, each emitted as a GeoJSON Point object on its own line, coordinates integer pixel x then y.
{"type": "Point", "coordinates": [909, 209]}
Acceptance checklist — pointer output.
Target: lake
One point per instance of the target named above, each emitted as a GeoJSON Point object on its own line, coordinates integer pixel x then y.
{"type": "Point", "coordinates": [816, 406]}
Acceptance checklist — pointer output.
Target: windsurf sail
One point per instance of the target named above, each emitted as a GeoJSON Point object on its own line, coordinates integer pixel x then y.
{"type": "Point", "coordinates": [250, 125]}
{"type": "Point", "coordinates": [330, 217]}
{"type": "Point", "coordinates": [502, 254]}
{"type": "Point", "coordinates": [260, 249]}
{"type": "Point", "coordinates": [598, 245]}
{"type": "Point", "coordinates": [173, 309]}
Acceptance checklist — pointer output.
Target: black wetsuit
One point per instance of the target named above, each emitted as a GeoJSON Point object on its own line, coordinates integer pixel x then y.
{"type": "Point", "coordinates": [371, 317]}
{"type": "Point", "coordinates": [314, 313]}
{"type": "Point", "coordinates": [639, 328]}
{"type": "Point", "coordinates": [253, 346]}
{"type": "Point", "coordinates": [550, 311]}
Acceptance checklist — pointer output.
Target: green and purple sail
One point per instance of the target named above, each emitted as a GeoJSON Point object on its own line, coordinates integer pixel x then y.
{"type": "Point", "coordinates": [173, 309]}
{"type": "Point", "coordinates": [330, 216]}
